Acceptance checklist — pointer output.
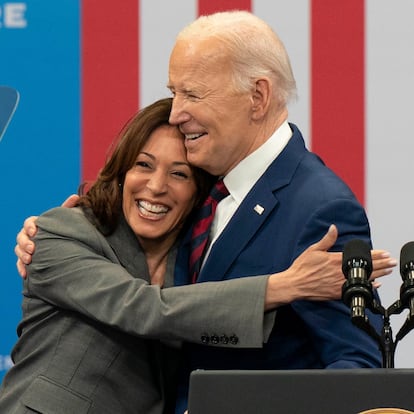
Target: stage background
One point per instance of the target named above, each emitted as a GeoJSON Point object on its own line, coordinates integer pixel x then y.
{"type": "Point", "coordinates": [84, 67]}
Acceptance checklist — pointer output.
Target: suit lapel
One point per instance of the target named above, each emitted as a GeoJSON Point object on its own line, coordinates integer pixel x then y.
{"type": "Point", "coordinates": [128, 250]}
{"type": "Point", "coordinates": [239, 231]}
{"type": "Point", "coordinates": [255, 209]}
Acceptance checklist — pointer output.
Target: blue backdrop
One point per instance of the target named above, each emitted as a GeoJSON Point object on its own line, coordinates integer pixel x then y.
{"type": "Point", "coordinates": [40, 151]}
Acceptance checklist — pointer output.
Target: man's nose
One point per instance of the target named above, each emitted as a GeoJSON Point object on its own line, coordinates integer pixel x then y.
{"type": "Point", "coordinates": [178, 114]}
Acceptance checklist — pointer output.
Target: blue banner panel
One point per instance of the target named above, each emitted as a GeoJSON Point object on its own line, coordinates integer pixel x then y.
{"type": "Point", "coordinates": [40, 151]}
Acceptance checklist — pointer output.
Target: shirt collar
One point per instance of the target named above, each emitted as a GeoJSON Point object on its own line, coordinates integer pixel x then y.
{"type": "Point", "coordinates": [241, 179]}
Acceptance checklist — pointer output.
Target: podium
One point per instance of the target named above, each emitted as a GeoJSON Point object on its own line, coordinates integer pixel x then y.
{"type": "Point", "coordinates": [337, 391]}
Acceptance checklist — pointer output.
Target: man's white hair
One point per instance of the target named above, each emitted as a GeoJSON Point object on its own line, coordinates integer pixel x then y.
{"type": "Point", "coordinates": [254, 49]}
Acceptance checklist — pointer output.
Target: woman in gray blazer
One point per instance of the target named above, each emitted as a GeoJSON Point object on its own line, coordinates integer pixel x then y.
{"type": "Point", "coordinates": [98, 332]}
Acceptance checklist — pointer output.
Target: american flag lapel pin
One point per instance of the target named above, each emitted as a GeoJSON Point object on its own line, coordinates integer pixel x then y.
{"type": "Point", "coordinates": [258, 209]}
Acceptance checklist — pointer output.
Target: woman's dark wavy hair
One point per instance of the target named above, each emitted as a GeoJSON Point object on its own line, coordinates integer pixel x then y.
{"type": "Point", "coordinates": [104, 198]}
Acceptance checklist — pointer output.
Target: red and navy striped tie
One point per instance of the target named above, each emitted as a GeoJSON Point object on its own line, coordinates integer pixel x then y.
{"type": "Point", "coordinates": [201, 229]}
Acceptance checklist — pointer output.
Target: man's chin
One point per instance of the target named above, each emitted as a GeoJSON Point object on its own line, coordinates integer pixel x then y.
{"type": "Point", "coordinates": [193, 158]}
{"type": "Point", "coordinates": [196, 160]}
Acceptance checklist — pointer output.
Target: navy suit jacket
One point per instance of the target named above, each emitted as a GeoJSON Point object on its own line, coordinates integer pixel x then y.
{"type": "Point", "coordinates": [301, 197]}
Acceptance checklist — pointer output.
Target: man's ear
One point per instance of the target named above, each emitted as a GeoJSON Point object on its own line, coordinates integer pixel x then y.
{"type": "Point", "coordinates": [261, 98]}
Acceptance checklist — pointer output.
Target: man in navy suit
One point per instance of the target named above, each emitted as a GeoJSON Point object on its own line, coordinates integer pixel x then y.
{"type": "Point", "coordinates": [231, 82]}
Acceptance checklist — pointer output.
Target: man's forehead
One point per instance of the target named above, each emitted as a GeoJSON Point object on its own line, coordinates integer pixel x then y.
{"type": "Point", "coordinates": [188, 66]}
{"type": "Point", "coordinates": [199, 49]}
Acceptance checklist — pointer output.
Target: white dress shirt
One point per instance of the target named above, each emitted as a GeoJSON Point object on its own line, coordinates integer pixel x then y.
{"type": "Point", "coordinates": [241, 179]}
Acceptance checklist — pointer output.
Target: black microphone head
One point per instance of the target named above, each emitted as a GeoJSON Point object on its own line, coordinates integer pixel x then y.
{"type": "Point", "coordinates": [406, 259]}
{"type": "Point", "coordinates": [357, 253]}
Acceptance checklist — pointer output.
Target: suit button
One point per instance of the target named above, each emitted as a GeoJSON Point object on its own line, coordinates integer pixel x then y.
{"type": "Point", "coordinates": [224, 339]}
{"type": "Point", "coordinates": [214, 339]}
{"type": "Point", "coordinates": [205, 339]}
{"type": "Point", "coordinates": [234, 339]}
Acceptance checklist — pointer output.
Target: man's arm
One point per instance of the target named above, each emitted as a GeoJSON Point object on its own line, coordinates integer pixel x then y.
{"type": "Point", "coordinates": [24, 248]}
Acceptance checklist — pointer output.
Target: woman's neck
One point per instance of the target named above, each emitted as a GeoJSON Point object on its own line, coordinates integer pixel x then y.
{"type": "Point", "coordinates": [157, 267]}
{"type": "Point", "coordinates": [156, 254]}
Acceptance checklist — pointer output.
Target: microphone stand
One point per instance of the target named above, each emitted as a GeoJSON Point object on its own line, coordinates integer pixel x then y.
{"type": "Point", "coordinates": [357, 293]}
{"type": "Point", "coordinates": [385, 341]}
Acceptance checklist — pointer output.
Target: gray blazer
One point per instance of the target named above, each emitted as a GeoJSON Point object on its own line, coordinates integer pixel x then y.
{"type": "Point", "coordinates": [94, 331]}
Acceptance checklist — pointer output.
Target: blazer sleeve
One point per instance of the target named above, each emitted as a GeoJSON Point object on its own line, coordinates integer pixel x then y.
{"type": "Point", "coordinates": [74, 268]}
{"type": "Point", "coordinates": [339, 343]}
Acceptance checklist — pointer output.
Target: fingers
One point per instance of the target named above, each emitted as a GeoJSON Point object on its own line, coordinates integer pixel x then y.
{"type": "Point", "coordinates": [21, 268]}
{"type": "Point", "coordinates": [380, 273]}
{"type": "Point", "coordinates": [24, 251]}
{"type": "Point", "coordinates": [25, 247]}
{"type": "Point", "coordinates": [71, 201]}
{"type": "Point", "coordinates": [20, 250]}
{"type": "Point", "coordinates": [328, 240]}
{"type": "Point", "coordinates": [381, 254]}
{"type": "Point", "coordinates": [29, 227]}
{"type": "Point", "coordinates": [382, 263]}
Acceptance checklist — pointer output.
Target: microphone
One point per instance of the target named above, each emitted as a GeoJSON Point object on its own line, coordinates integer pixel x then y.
{"type": "Point", "coordinates": [407, 288]}
{"type": "Point", "coordinates": [357, 268]}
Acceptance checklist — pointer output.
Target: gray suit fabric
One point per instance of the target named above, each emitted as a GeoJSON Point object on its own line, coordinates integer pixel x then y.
{"type": "Point", "coordinates": [94, 333]}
